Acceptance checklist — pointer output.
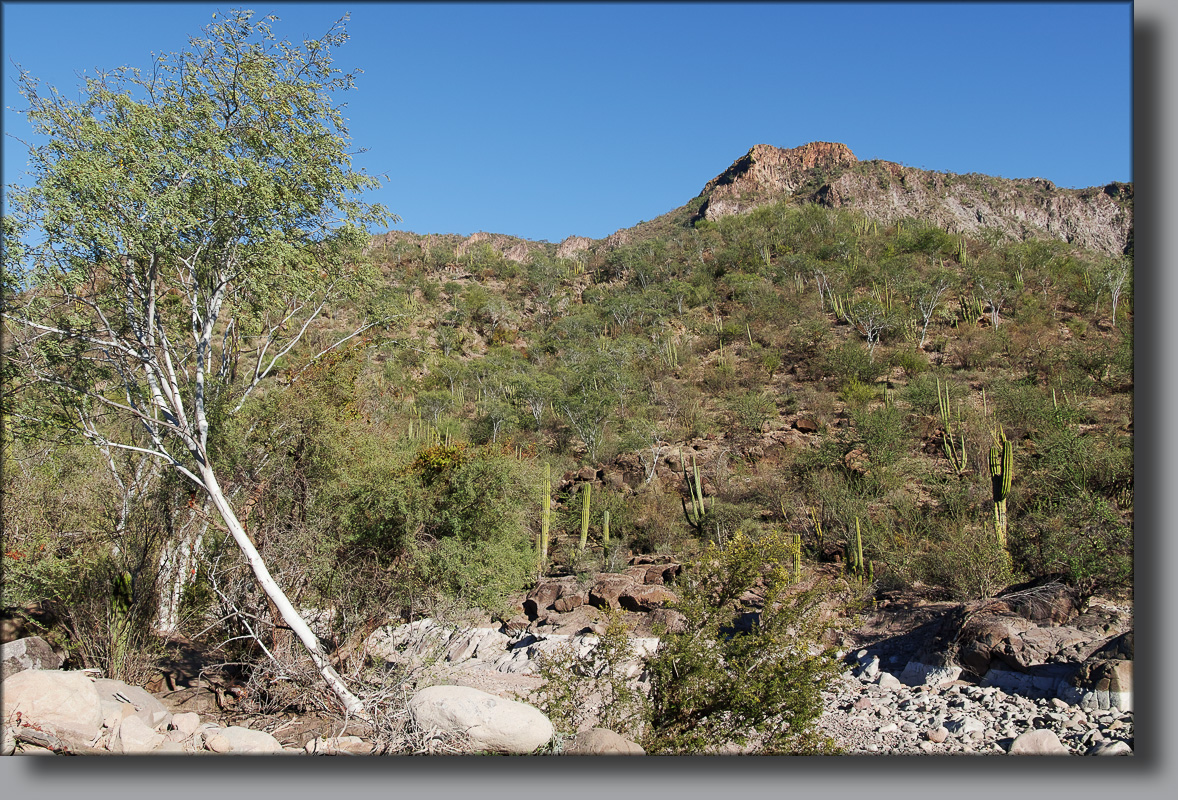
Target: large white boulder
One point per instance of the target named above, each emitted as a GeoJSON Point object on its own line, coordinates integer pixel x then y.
{"type": "Point", "coordinates": [65, 701]}
{"type": "Point", "coordinates": [485, 721]}
{"type": "Point", "coordinates": [237, 740]}
{"type": "Point", "coordinates": [133, 736]}
{"type": "Point", "coordinates": [147, 706]}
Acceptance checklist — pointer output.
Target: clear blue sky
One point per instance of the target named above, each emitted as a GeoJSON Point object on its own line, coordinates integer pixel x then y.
{"type": "Point", "coordinates": [545, 121]}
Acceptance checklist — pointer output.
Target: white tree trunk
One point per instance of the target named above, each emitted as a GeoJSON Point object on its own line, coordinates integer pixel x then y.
{"type": "Point", "coordinates": [177, 568]}
{"type": "Point", "coordinates": [285, 609]}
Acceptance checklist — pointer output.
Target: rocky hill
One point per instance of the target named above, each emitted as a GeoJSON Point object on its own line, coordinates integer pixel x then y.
{"type": "Point", "coordinates": [1099, 218]}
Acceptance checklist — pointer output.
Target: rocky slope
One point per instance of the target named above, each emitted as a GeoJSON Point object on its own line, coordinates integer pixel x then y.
{"type": "Point", "coordinates": [1099, 218]}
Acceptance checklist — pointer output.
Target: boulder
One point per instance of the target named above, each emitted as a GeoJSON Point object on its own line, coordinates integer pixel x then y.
{"type": "Point", "coordinates": [67, 702]}
{"type": "Point", "coordinates": [567, 603]}
{"type": "Point", "coordinates": [661, 573]}
{"type": "Point", "coordinates": [1101, 684]}
{"type": "Point", "coordinates": [1113, 748]}
{"type": "Point", "coordinates": [484, 721]}
{"type": "Point", "coordinates": [133, 736]}
{"type": "Point", "coordinates": [1039, 742]}
{"type": "Point", "coordinates": [917, 673]}
{"type": "Point", "coordinates": [608, 588]}
{"type": "Point", "coordinates": [806, 424]}
{"type": "Point", "coordinates": [338, 746]}
{"type": "Point", "coordinates": [602, 742]}
{"type": "Point", "coordinates": [32, 652]}
{"type": "Point", "coordinates": [146, 706]}
{"type": "Point", "coordinates": [645, 598]}
{"type": "Point", "coordinates": [1038, 644]}
{"type": "Point", "coordinates": [241, 741]}
{"type": "Point", "coordinates": [186, 723]}
{"type": "Point", "coordinates": [545, 593]}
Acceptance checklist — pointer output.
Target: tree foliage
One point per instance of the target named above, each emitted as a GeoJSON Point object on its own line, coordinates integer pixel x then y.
{"type": "Point", "coordinates": [185, 227]}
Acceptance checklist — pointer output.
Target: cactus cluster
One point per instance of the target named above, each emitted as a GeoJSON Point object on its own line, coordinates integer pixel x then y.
{"type": "Point", "coordinates": [954, 450]}
{"type": "Point", "coordinates": [695, 517]}
{"type": "Point", "coordinates": [545, 518]}
{"type": "Point", "coordinates": [1001, 471]}
{"type": "Point", "coordinates": [859, 567]}
{"type": "Point", "coordinates": [586, 492]}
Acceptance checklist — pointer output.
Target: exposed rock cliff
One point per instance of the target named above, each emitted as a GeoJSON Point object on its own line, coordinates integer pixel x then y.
{"type": "Point", "coordinates": [1100, 218]}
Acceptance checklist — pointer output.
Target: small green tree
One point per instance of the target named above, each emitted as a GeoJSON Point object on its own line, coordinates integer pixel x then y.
{"type": "Point", "coordinates": [712, 684]}
{"type": "Point", "coordinates": [185, 228]}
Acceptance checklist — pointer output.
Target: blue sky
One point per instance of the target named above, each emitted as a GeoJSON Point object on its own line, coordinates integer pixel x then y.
{"type": "Point", "coordinates": [550, 120]}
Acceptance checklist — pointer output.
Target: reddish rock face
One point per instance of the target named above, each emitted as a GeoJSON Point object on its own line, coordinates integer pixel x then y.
{"type": "Point", "coordinates": [608, 588]}
{"type": "Point", "coordinates": [770, 171]}
{"type": "Point", "coordinates": [645, 598]}
{"type": "Point", "coordinates": [569, 602]}
{"type": "Point", "coordinates": [545, 594]}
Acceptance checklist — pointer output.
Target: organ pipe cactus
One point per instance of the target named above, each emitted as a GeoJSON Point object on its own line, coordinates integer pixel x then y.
{"type": "Point", "coordinates": [695, 516]}
{"type": "Point", "coordinates": [954, 451]}
{"type": "Point", "coordinates": [586, 491]}
{"type": "Point", "coordinates": [545, 517]}
{"type": "Point", "coordinates": [122, 596]}
{"type": "Point", "coordinates": [1001, 471]}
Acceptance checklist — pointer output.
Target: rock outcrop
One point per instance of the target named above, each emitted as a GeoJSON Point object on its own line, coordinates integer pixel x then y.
{"type": "Point", "coordinates": [1099, 218]}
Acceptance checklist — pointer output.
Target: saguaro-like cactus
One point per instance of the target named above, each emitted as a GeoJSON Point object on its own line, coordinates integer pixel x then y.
{"type": "Point", "coordinates": [605, 528]}
{"type": "Point", "coordinates": [1001, 471]}
{"type": "Point", "coordinates": [121, 600]}
{"type": "Point", "coordinates": [954, 451]}
{"type": "Point", "coordinates": [586, 490]}
{"type": "Point", "coordinates": [545, 518]}
{"type": "Point", "coordinates": [695, 516]}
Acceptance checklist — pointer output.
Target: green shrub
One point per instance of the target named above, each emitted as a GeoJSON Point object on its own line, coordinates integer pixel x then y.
{"type": "Point", "coordinates": [752, 410]}
{"type": "Point", "coordinates": [572, 680]}
{"type": "Point", "coordinates": [849, 360]}
{"type": "Point", "coordinates": [712, 686]}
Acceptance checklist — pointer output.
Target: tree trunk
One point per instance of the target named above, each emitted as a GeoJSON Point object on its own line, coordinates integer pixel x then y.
{"type": "Point", "coordinates": [285, 608]}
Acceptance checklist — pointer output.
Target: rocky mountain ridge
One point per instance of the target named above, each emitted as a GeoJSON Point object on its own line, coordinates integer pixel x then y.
{"type": "Point", "coordinates": [1099, 218]}
{"type": "Point", "coordinates": [829, 174]}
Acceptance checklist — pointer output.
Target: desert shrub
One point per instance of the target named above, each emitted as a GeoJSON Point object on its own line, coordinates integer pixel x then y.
{"type": "Point", "coordinates": [1023, 408]}
{"type": "Point", "coordinates": [575, 682]}
{"type": "Point", "coordinates": [857, 394]}
{"type": "Point", "coordinates": [476, 571]}
{"type": "Point", "coordinates": [921, 393]}
{"type": "Point", "coordinates": [911, 360]}
{"type": "Point", "coordinates": [849, 360]}
{"type": "Point", "coordinates": [712, 685]}
{"type": "Point", "coordinates": [752, 410]}
{"type": "Point", "coordinates": [883, 432]}
{"type": "Point", "coordinates": [976, 347]}
{"type": "Point", "coordinates": [654, 521]}
{"type": "Point", "coordinates": [1085, 538]}
{"type": "Point", "coordinates": [966, 560]}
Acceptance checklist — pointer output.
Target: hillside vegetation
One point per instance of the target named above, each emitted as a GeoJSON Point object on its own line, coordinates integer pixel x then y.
{"type": "Point", "coordinates": [927, 408]}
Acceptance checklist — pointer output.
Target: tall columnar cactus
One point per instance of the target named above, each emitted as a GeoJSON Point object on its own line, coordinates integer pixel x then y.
{"type": "Point", "coordinates": [695, 516]}
{"type": "Point", "coordinates": [953, 451]}
{"type": "Point", "coordinates": [1001, 471]}
{"type": "Point", "coordinates": [605, 527]}
{"type": "Point", "coordinates": [120, 626]}
{"type": "Point", "coordinates": [818, 536]}
{"type": "Point", "coordinates": [586, 490]}
{"type": "Point", "coordinates": [545, 517]}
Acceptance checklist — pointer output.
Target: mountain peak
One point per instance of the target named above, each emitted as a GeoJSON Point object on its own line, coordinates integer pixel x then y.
{"type": "Point", "coordinates": [766, 170]}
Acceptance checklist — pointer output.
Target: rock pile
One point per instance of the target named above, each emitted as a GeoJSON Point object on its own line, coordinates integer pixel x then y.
{"type": "Point", "coordinates": [870, 711]}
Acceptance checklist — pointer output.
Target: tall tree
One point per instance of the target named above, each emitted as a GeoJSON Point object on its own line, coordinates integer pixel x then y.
{"type": "Point", "coordinates": [185, 227]}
